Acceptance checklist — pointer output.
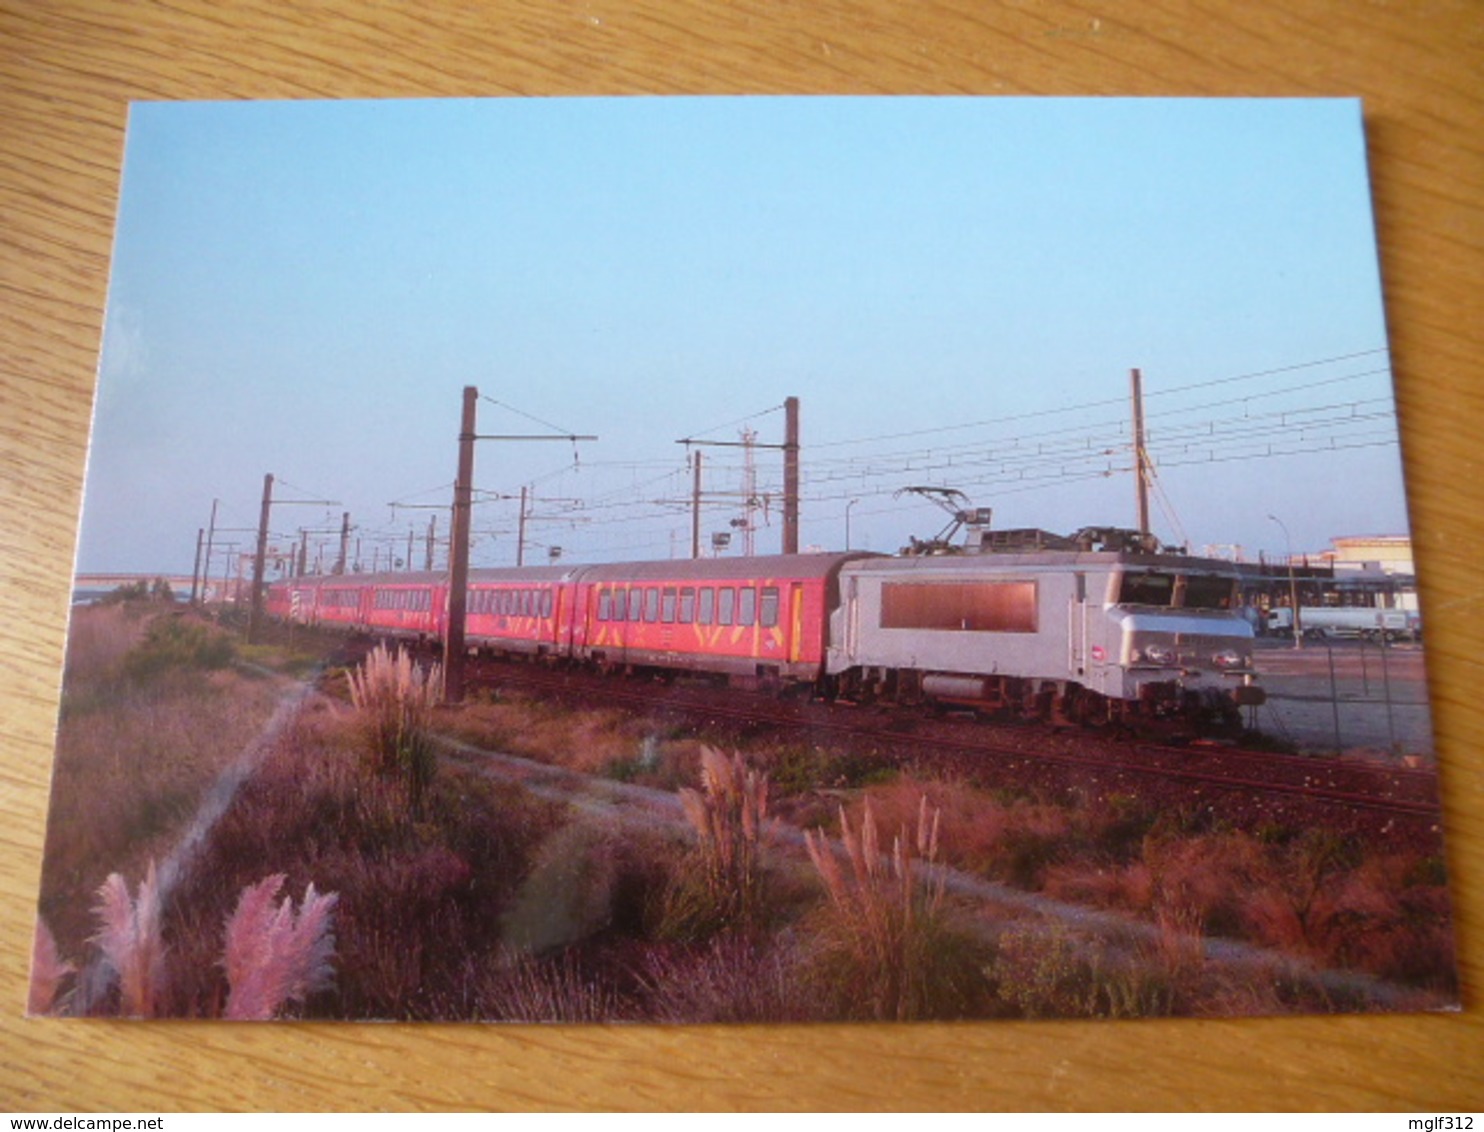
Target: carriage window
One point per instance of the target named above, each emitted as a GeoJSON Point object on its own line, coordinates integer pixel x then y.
{"type": "Point", "coordinates": [746, 605]}
{"type": "Point", "coordinates": [708, 607]}
{"type": "Point", "coordinates": [768, 614]}
{"type": "Point", "coordinates": [636, 603]}
{"type": "Point", "coordinates": [605, 604]}
{"type": "Point", "coordinates": [725, 602]}
{"type": "Point", "coordinates": [667, 605]}
{"type": "Point", "coordinates": [546, 603]}
{"type": "Point", "coordinates": [652, 604]}
{"type": "Point", "coordinates": [687, 606]}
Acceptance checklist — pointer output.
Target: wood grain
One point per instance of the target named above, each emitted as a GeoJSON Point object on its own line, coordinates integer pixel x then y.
{"type": "Point", "coordinates": [67, 73]}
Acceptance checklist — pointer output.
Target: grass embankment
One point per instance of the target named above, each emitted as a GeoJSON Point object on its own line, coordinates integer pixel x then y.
{"type": "Point", "coordinates": [1308, 894]}
{"type": "Point", "coordinates": [152, 712]}
{"type": "Point", "coordinates": [442, 895]}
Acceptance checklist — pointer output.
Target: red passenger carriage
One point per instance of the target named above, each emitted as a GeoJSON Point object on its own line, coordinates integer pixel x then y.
{"type": "Point", "coordinates": [764, 618]}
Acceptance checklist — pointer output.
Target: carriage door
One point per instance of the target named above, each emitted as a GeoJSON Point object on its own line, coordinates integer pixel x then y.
{"type": "Point", "coordinates": [852, 620]}
{"type": "Point", "coordinates": [795, 622]}
{"type": "Point", "coordinates": [1077, 626]}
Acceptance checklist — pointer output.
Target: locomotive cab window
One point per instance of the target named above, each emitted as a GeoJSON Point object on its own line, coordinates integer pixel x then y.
{"type": "Point", "coordinates": [1205, 592]}
{"type": "Point", "coordinates": [1175, 591]}
{"type": "Point", "coordinates": [1146, 587]}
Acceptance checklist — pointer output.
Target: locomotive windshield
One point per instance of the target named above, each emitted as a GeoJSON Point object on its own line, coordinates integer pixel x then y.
{"type": "Point", "coordinates": [1168, 591]}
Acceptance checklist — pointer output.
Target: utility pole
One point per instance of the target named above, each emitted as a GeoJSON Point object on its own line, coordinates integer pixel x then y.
{"type": "Point", "coordinates": [695, 508]}
{"type": "Point", "coordinates": [1141, 457]}
{"type": "Point", "coordinates": [749, 488]}
{"type": "Point", "coordinates": [458, 555]}
{"type": "Point", "coordinates": [458, 544]}
{"type": "Point", "coordinates": [303, 553]}
{"type": "Point", "coordinates": [520, 536]}
{"type": "Point", "coordinates": [196, 569]}
{"type": "Point", "coordinates": [210, 533]}
{"type": "Point", "coordinates": [255, 613]}
{"type": "Point", "coordinates": [791, 476]}
{"type": "Point", "coordinates": [344, 542]}
{"type": "Point", "coordinates": [432, 536]}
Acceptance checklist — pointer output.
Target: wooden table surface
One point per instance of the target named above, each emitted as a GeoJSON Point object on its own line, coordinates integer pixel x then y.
{"type": "Point", "coordinates": [68, 70]}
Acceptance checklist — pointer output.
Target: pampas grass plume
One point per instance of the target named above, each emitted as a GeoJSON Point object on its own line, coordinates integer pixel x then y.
{"type": "Point", "coordinates": [275, 955]}
{"type": "Point", "coordinates": [129, 937]}
{"type": "Point", "coordinates": [48, 969]}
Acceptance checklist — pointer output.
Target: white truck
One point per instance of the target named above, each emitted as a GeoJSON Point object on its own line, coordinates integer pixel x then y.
{"type": "Point", "coordinates": [1347, 621]}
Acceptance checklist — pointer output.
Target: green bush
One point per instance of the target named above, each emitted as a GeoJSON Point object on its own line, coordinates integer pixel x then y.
{"type": "Point", "coordinates": [175, 644]}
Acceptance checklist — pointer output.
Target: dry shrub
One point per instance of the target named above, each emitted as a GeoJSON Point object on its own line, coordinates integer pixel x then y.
{"type": "Point", "coordinates": [1206, 880]}
{"type": "Point", "coordinates": [276, 955]}
{"type": "Point", "coordinates": [129, 937]}
{"type": "Point", "coordinates": [1129, 887]}
{"type": "Point", "coordinates": [733, 978]}
{"type": "Point", "coordinates": [1043, 971]}
{"type": "Point", "coordinates": [588, 742]}
{"type": "Point", "coordinates": [98, 639]}
{"type": "Point", "coordinates": [568, 893]}
{"type": "Point", "coordinates": [887, 951]}
{"type": "Point", "coordinates": [523, 988]}
{"type": "Point", "coordinates": [1014, 842]}
{"type": "Point", "coordinates": [1377, 917]}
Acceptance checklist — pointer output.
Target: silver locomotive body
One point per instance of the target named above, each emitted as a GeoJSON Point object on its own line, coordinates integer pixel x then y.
{"type": "Point", "coordinates": [1090, 635]}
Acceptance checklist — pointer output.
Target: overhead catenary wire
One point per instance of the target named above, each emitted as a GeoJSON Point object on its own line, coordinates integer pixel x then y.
{"type": "Point", "coordinates": [628, 505]}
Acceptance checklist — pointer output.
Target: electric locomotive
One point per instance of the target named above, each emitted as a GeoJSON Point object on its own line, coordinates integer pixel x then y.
{"type": "Point", "coordinates": [1088, 635]}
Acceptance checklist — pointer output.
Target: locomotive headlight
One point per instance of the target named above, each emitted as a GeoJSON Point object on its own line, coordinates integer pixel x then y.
{"type": "Point", "coordinates": [1229, 658]}
{"type": "Point", "coordinates": [1159, 654]}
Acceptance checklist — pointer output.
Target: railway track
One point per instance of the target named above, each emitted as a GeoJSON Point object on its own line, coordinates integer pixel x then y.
{"type": "Point", "coordinates": [1255, 786]}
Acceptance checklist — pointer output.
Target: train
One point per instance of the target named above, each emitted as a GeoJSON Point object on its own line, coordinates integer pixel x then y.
{"type": "Point", "coordinates": [1088, 636]}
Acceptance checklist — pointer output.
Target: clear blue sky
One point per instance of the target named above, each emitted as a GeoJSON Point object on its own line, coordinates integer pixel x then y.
{"type": "Point", "coordinates": [956, 290]}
